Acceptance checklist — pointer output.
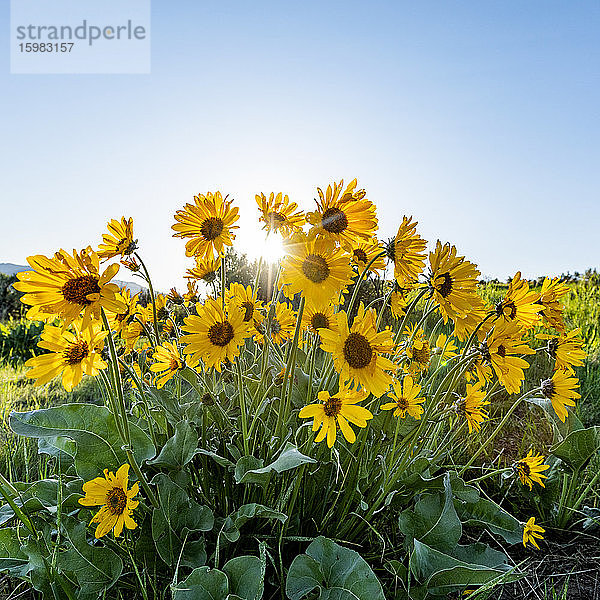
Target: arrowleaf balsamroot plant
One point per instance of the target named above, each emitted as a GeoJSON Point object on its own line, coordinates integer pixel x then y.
{"type": "Point", "coordinates": [204, 452]}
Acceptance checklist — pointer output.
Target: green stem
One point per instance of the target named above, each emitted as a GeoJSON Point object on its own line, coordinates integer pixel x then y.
{"type": "Point", "coordinates": [244, 416]}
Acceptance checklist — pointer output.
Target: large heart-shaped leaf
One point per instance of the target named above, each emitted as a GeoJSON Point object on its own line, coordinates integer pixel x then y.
{"type": "Point", "coordinates": [179, 449]}
{"type": "Point", "coordinates": [578, 447]}
{"type": "Point", "coordinates": [95, 568]}
{"type": "Point", "coordinates": [173, 522]}
{"type": "Point", "coordinates": [94, 431]}
{"type": "Point", "coordinates": [336, 572]}
{"type": "Point", "coordinates": [202, 583]}
{"type": "Point", "coordinates": [246, 576]}
{"type": "Point", "coordinates": [490, 515]}
{"type": "Point", "coordinates": [12, 559]}
{"type": "Point", "coordinates": [232, 524]}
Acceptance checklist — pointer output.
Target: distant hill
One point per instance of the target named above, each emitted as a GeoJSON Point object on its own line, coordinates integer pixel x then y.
{"type": "Point", "coordinates": [12, 269]}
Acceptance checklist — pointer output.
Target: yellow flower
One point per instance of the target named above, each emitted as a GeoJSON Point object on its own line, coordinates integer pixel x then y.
{"type": "Point", "coordinates": [215, 335]}
{"type": "Point", "coordinates": [445, 347]}
{"type": "Point", "coordinates": [471, 406]}
{"type": "Point", "coordinates": [550, 294]}
{"type": "Point", "coordinates": [418, 350]}
{"type": "Point", "coordinates": [530, 469]}
{"type": "Point", "coordinates": [160, 304]}
{"type": "Point", "coordinates": [363, 252]}
{"type": "Point", "coordinates": [532, 531]}
{"type": "Point", "coordinates": [332, 411]}
{"type": "Point", "coordinates": [465, 325]}
{"type": "Point", "coordinates": [247, 300]}
{"type": "Point", "coordinates": [343, 217]}
{"type": "Point", "coordinates": [499, 350]}
{"type": "Point", "coordinates": [479, 370]}
{"type": "Point", "coordinates": [358, 351]}
{"type": "Point", "coordinates": [278, 214]}
{"type": "Point", "coordinates": [175, 297]}
{"type": "Point", "coordinates": [408, 253]}
{"type": "Point", "coordinates": [205, 269]}
{"type": "Point", "coordinates": [209, 223]}
{"type": "Point", "coordinates": [119, 321]}
{"type": "Point", "coordinates": [192, 295]}
{"type": "Point", "coordinates": [68, 285]}
{"type": "Point", "coordinates": [519, 304]}
{"type": "Point", "coordinates": [111, 493]}
{"type": "Point", "coordinates": [566, 349]}
{"type": "Point", "coordinates": [398, 303]}
{"type": "Point", "coordinates": [168, 362]}
{"type": "Point", "coordinates": [560, 390]}
{"type": "Point", "coordinates": [119, 242]}
{"type": "Point", "coordinates": [314, 268]}
{"type": "Point", "coordinates": [317, 317]}
{"type": "Point", "coordinates": [453, 282]}
{"type": "Point", "coordinates": [281, 321]}
{"type": "Point", "coordinates": [405, 399]}
{"type": "Point", "coordinates": [71, 353]}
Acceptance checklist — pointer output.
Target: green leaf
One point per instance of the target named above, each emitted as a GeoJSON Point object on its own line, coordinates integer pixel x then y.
{"type": "Point", "coordinates": [12, 559]}
{"type": "Point", "coordinates": [174, 522]}
{"type": "Point", "coordinates": [337, 572]}
{"type": "Point", "coordinates": [434, 520]}
{"type": "Point", "coordinates": [578, 447]}
{"type": "Point", "coordinates": [290, 458]}
{"type": "Point", "coordinates": [95, 568]}
{"type": "Point", "coordinates": [490, 515]}
{"type": "Point", "coordinates": [179, 449]}
{"type": "Point", "coordinates": [220, 460]}
{"type": "Point", "coordinates": [246, 577]}
{"type": "Point", "coordinates": [94, 431]}
{"type": "Point", "coordinates": [43, 495]}
{"type": "Point", "coordinates": [416, 482]}
{"type": "Point", "coordinates": [443, 573]}
{"type": "Point", "coordinates": [245, 464]}
{"type": "Point", "coordinates": [232, 524]}
{"type": "Point", "coordinates": [202, 583]}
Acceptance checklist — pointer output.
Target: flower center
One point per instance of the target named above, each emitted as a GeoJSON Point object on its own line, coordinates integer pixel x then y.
{"type": "Point", "coordinates": [275, 220]}
{"type": "Point", "coordinates": [249, 311]}
{"type": "Point", "coordinates": [508, 309]}
{"type": "Point", "coordinates": [319, 320]}
{"type": "Point", "coordinates": [443, 284]}
{"type": "Point", "coordinates": [211, 228]}
{"type": "Point", "coordinates": [360, 255]}
{"type": "Point", "coordinates": [423, 354]}
{"type": "Point", "coordinates": [332, 407]}
{"type": "Point", "coordinates": [334, 220]}
{"type": "Point", "coordinates": [524, 469]}
{"type": "Point", "coordinates": [548, 388]}
{"type": "Point", "coordinates": [76, 352]}
{"type": "Point", "coordinates": [220, 334]}
{"type": "Point", "coordinates": [315, 268]}
{"type": "Point", "coordinates": [402, 403]}
{"type": "Point", "coordinates": [357, 351]}
{"type": "Point", "coordinates": [116, 501]}
{"type": "Point", "coordinates": [76, 290]}
{"type": "Point", "coordinates": [174, 364]}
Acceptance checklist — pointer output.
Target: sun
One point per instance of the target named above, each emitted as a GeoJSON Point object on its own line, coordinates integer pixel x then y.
{"type": "Point", "coordinates": [269, 247]}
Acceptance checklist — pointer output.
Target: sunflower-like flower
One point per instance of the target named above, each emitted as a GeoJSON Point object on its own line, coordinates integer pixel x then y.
{"type": "Point", "coordinates": [405, 399]}
{"type": "Point", "coordinates": [531, 531]}
{"type": "Point", "coordinates": [417, 350]}
{"type": "Point", "coordinates": [119, 241]}
{"type": "Point", "coordinates": [117, 502]}
{"type": "Point", "coordinates": [445, 347]}
{"type": "Point", "coordinates": [119, 321]}
{"type": "Point", "coordinates": [206, 269]}
{"type": "Point", "coordinates": [471, 406]}
{"type": "Point", "coordinates": [279, 214]}
{"type": "Point", "coordinates": [168, 362]}
{"type": "Point", "coordinates": [560, 390]}
{"type": "Point", "coordinates": [215, 334]}
{"type": "Point", "coordinates": [192, 295]}
{"type": "Point", "coordinates": [519, 304]}
{"type": "Point", "coordinates": [280, 322]}
{"type": "Point", "coordinates": [73, 354]}
{"type": "Point", "coordinates": [247, 300]}
{"type": "Point", "coordinates": [68, 285]}
{"type": "Point", "coordinates": [500, 350]}
{"type": "Point", "coordinates": [160, 305]}
{"type": "Point", "coordinates": [465, 325]}
{"type": "Point", "coordinates": [175, 297]}
{"type": "Point", "coordinates": [344, 216]}
{"type": "Point", "coordinates": [552, 309]}
{"type": "Point", "coordinates": [407, 251]}
{"type": "Point", "coordinates": [358, 351]}
{"type": "Point", "coordinates": [209, 222]}
{"type": "Point", "coordinates": [339, 409]}
{"type": "Point", "coordinates": [530, 469]}
{"type": "Point", "coordinates": [316, 317]}
{"type": "Point", "coordinates": [566, 349]}
{"type": "Point", "coordinates": [315, 268]}
{"type": "Point", "coordinates": [479, 370]}
{"type": "Point", "coordinates": [453, 282]}
{"type": "Point", "coordinates": [363, 252]}
{"type": "Point", "coordinates": [398, 302]}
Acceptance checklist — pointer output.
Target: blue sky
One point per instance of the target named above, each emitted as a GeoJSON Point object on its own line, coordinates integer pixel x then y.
{"type": "Point", "coordinates": [478, 118]}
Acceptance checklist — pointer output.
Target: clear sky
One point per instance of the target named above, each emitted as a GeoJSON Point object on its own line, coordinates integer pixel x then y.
{"type": "Point", "coordinates": [478, 118]}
